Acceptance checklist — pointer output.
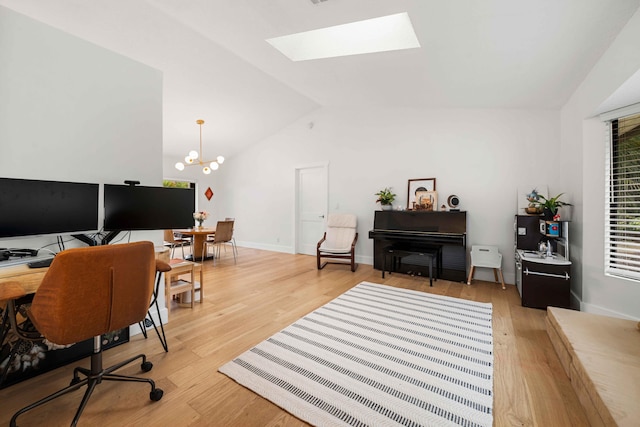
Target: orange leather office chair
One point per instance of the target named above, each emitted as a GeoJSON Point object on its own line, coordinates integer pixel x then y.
{"type": "Point", "coordinates": [88, 292]}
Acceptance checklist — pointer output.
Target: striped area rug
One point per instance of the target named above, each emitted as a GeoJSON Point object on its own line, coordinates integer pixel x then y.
{"type": "Point", "coordinates": [377, 356]}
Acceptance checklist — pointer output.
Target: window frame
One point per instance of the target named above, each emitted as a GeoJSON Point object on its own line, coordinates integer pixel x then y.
{"type": "Point", "coordinates": [618, 261]}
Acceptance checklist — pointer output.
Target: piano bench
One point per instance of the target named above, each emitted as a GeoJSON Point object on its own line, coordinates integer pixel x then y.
{"type": "Point", "coordinates": [396, 254]}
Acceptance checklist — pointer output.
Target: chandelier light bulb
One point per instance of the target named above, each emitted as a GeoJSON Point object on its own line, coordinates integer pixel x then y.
{"type": "Point", "coordinates": [197, 157]}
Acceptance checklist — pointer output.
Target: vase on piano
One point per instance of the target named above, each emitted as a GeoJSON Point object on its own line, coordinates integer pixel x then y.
{"type": "Point", "coordinates": [386, 207]}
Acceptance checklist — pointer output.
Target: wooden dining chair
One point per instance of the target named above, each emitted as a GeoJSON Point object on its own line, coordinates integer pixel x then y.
{"type": "Point", "coordinates": [233, 239]}
{"type": "Point", "coordinates": [224, 234]}
{"type": "Point", "coordinates": [173, 242]}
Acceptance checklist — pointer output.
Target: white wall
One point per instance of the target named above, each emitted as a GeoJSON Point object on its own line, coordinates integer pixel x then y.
{"type": "Point", "coordinates": [73, 111]}
{"type": "Point", "coordinates": [583, 141]}
{"type": "Point", "coordinates": [480, 155]}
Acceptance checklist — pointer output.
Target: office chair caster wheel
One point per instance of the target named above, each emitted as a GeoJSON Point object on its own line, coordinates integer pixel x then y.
{"type": "Point", "coordinates": [146, 366]}
{"type": "Point", "coordinates": [156, 394]}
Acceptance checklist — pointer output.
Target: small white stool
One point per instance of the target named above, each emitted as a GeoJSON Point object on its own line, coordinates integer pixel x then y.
{"type": "Point", "coordinates": [489, 257]}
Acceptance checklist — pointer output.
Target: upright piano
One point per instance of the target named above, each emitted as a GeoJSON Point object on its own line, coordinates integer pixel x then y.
{"type": "Point", "coordinates": [446, 231]}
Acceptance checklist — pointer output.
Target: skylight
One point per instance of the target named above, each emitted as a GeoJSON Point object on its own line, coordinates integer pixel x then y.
{"type": "Point", "coordinates": [392, 32]}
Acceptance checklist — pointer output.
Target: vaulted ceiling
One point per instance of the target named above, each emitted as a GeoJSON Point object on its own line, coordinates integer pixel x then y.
{"type": "Point", "coordinates": [218, 67]}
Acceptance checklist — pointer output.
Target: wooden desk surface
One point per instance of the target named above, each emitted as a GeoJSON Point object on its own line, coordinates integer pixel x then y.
{"type": "Point", "coordinates": [28, 278]}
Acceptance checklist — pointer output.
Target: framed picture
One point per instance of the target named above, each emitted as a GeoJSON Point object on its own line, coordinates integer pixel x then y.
{"type": "Point", "coordinates": [416, 195]}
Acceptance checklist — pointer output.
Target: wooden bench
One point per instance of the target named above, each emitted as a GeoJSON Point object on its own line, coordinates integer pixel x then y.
{"type": "Point", "coordinates": [601, 356]}
{"type": "Point", "coordinates": [393, 256]}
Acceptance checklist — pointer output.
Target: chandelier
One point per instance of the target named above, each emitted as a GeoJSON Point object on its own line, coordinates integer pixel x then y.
{"type": "Point", "coordinates": [194, 158]}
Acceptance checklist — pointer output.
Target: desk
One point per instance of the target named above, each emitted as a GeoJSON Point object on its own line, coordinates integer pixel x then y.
{"type": "Point", "coordinates": [199, 236]}
{"type": "Point", "coordinates": [31, 358]}
{"type": "Point", "coordinates": [20, 280]}
{"type": "Point", "coordinates": [17, 283]}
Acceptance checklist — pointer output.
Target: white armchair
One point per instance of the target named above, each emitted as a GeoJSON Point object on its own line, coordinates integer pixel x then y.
{"type": "Point", "coordinates": [339, 241]}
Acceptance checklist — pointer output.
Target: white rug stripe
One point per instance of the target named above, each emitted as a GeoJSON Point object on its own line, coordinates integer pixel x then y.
{"type": "Point", "coordinates": [379, 356]}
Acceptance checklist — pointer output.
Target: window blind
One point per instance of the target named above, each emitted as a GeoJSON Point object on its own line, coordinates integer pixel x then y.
{"type": "Point", "coordinates": [622, 214]}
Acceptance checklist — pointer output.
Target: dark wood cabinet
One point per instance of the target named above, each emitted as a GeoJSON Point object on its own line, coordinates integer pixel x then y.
{"type": "Point", "coordinates": [546, 285]}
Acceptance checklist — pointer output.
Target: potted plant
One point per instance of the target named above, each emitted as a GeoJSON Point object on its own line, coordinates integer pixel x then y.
{"type": "Point", "coordinates": [550, 205]}
{"type": "Point", "coordinates": [386, 198]}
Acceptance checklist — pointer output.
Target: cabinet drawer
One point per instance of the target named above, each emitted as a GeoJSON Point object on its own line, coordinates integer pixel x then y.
{"type": "Point", "coordinates": [546, 285]}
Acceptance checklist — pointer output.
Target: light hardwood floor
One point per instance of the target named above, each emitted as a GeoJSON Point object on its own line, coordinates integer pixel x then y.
{"type": "Point", "coordinates": [247, 302]}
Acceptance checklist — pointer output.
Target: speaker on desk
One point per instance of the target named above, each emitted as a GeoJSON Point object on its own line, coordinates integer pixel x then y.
{"type": "Point", "coordinates": [453, 201]}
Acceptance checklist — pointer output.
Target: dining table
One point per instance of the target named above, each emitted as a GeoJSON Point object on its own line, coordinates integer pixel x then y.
{"type": "Point", "coordinates": [199, 235]}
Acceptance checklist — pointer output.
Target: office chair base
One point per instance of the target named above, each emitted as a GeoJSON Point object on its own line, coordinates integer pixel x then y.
{"type": "Point", "coordinates": [93, 377]}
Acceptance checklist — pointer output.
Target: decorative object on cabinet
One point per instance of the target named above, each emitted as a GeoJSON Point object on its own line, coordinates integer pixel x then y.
{"type": "Point", "coordinates": [533, 198]}
{"type": "Point", "coordinates": [426, 200]}
{"type": "Point", "coordinates": [419, 185]}
{"type": "Point", "coordinates": [386, 198]}
{"type": "Point", "coordinates": [453, 201]}
{"type": "Point", "coordinates": [523, 192]}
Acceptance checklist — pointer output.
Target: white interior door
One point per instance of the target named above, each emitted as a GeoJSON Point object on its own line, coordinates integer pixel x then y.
{"type": "Point", "coordinates": [311, 206]}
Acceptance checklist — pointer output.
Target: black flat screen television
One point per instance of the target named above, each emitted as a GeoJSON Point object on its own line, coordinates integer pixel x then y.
{"type": "Point", "coordinates": [32, 207]}
{"type": "Point", "coordinates": [147, 208]}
